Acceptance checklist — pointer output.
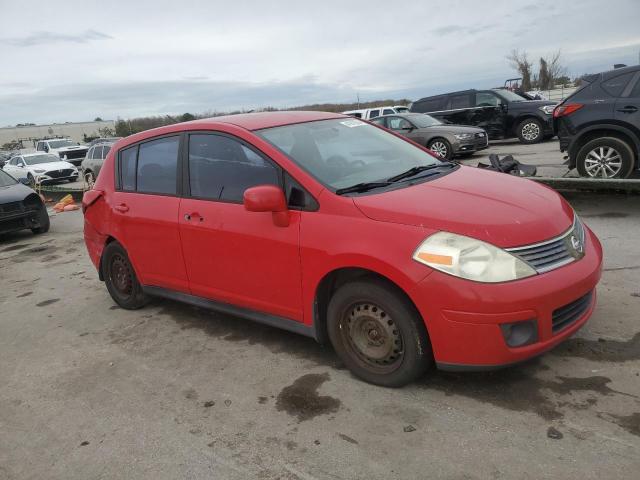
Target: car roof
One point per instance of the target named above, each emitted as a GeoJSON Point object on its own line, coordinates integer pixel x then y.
{"type": "Point", "coordinates": [33, 154]}
{"type": "Point", "coordinates": [260, 120]}
{"type": "Point", "coordinates": [619, 71]}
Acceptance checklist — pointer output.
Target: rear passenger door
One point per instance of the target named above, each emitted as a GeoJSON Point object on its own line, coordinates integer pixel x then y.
{"type": "Point", "coordinates": [458, 109]}
{"type": "Point", "coordinates": [232, 255]}
{"type": "Point", "coordinates": [145, 211]}
{"type": "Point", "coordinates": [628, 105]}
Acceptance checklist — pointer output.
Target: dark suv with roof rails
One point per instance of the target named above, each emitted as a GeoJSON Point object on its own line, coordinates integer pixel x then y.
{"type": "Point", "coordinates": [599, 124]}
{"type": "Point", "coordinates": [500, 112]}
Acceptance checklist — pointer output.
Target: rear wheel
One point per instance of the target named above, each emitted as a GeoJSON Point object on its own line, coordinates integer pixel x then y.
{"type": "Point", "coordinates": [530, 130]}
{"type": "Point", "coordinates": [606, 157]}
{"type": "Point", "coordinates": [378, 334]}
{"type": "Point", "coordinates": [121, 279]}
{"type": "Point", "coordinates": [89, 177]}
{"type": "Point", "coordinates": [31, 180]}
{"type": "Point", "coordinates": [441, 147]}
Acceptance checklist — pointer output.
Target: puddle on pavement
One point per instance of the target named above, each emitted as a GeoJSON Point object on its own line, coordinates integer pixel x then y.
{"type": "Point", "coordinates": [601, 350]}
{"type": "Point", "coordinates": [301, 398]}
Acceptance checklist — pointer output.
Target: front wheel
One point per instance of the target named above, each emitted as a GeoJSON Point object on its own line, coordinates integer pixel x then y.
{"type": "Point", "coordinates": [530, 130]}
{"type": "Point", "coordinates": [120, 278]}
{"type": "Point", "coordinates": [606, 157]}
{"type": "Point", "coordinates": [43, 221]}
{"type": "Point", "coordinates": [378, 333]}
{"type": "Point", "coordinates": [441, 147]}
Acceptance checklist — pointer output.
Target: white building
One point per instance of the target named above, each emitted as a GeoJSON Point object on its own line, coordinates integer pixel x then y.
{"type": "Point", "coordinates": [29, 134]}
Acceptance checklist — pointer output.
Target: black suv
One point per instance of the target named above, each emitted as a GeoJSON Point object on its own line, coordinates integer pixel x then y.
{"type": "Point", "coordinates": [599, 124]}
{"type": "Point", "coordinates": [500, 112]}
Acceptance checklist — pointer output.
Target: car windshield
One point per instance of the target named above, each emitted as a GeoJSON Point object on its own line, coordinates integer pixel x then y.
{"type": "Point", "coordinates": [509, 96]}
{"type": "Point", "coordinates": [6, 180]}
{"type": "Point", "coordinates": [344, 152]}
{"type": "Point", "coordinates": [422, 121]}
{"type": "Point", "coordinates": [36, 159]}
{"type": "Point", "coordinates": [61, 143]}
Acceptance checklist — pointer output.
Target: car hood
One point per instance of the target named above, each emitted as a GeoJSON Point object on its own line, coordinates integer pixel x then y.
{"type": "Point", "coordinates": [501, 209]}
{"type": "Point", "coordinates": [69, 149]}
{"type": "Point", "coordinates": [451, 129]}
{"type": "Point", "coordinates": [14, 193]}
{"type": "Point", "coordinates": [51, 166]}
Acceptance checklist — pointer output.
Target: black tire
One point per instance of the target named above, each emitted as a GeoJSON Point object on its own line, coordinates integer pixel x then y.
{"type": "Point", "coordinates": [89, 177]}
{"type": "Point", "coordinates": [121, 279]}
{"type": "Point", "coordinates": [43, 221]}
{"type": "Point", "coordinates": [441, 147]}
{"type": "Point", "coordinates": [587, 158]}
{"type": "Point", "coordinates": [530, 130]}
{"type": "Point", "coordinates": [371, 312]}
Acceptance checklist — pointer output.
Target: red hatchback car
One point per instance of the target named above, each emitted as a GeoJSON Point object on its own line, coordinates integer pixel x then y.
{"type": "Point", "coordinates": [337, 229]}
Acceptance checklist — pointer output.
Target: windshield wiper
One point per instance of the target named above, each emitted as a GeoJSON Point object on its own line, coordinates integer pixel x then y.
{"type": "Point", "coordinates": [415, 170]}
{"type": "Point", "coordinates": [362, 187]}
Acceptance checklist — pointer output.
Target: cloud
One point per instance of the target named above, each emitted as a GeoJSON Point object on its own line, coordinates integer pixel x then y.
{"type": "Point", "coordinates": [44, 38]}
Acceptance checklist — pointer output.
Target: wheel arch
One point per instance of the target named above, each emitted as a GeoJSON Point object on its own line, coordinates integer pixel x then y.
{"type": "Point", "coordinates": [334, 279]}
{"type": "Point", "coordinates": [604, 130]}
{"type": "Point", "coordinates": [521, 118]}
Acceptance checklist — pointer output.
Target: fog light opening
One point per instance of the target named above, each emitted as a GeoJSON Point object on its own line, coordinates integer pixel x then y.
{"type": "Point", "coordinates": [519, 334]}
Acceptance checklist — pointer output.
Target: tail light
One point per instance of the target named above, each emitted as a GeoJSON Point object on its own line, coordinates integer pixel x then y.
{"type": "Point", "coordinates": [89, 198]}
{"type": "Point", "coordinates": [568, 109]}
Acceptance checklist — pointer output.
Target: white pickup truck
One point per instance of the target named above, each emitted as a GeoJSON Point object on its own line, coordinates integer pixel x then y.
{"type": "Point", "coordinates": [65, 148]}
{"type": "Point", "coordinates": [369, 113]}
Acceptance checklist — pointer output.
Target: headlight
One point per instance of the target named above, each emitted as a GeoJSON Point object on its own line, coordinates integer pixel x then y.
{"type": "Point", "coordinates": [469, 258]}
{"type": "Point", "coordinates": [37, 170]}
{"type": "Point", "coordinates": [463, 136]}
{"type": "Point", "coordinates": [548, 109]}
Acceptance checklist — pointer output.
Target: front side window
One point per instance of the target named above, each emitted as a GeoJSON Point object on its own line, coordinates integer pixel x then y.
{"type": "Point", "coordinates": [374, 113]}
{"type": "Point", "coordinates": [344, 152]}
{"type": "Point", "coordinates": [388, 111]}
{"type": "Point", "coordinates": [397, 123]}
{"type": "Point", "coordinates": [487, 99]}
{"type": "Point", "coordinates": [158, 166]}
{"type": "Point", "coordinates": [222, 168]}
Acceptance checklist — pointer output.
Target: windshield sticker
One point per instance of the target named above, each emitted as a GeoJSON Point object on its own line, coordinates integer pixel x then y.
{"type": "Point", "coordinates": [352, 123]}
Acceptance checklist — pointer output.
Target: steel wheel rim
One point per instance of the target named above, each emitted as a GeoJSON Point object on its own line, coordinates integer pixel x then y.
{"type": "Point", "coordinates": [439, 148]}
{"type": "Point", "coordinates": [121, 275]}
{"type": "Point", "coordinates": [373, 336]}
{"type": "Point", "coordinates": [530, 131]}
{"type": "Point", "coordinates": [603, 162]}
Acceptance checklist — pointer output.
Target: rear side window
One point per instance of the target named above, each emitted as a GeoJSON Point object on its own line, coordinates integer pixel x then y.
{"type": "Point", "coordinates": [90, 153]}
{"type": "Point", "coordinates": [459, 101]}
{"type": "Point", "coordinates": [128, 158]}
{"type": "Point", "coordinates": [616, 85]}
{"type": "Point", "coordinates": [429, 105]}
{"type": "Point", "coordinates": [158, 165]}
{"type": "Point", "coordinates": [222, 168]}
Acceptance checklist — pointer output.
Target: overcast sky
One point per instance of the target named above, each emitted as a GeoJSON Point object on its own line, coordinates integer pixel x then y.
{"type": "Point", "coordinates": [75, 60]}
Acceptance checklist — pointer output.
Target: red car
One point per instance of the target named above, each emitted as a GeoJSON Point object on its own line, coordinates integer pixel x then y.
{"type": "Point", "coordinates": [337, 229]}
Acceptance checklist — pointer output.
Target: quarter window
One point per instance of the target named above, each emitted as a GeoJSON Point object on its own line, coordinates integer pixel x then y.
{"type": "Point", "coordinates": [222, 168]}
{"type": "Point", "coordinates": [158, 165]}
{"type": "Point", "coordinates": [128, 159]}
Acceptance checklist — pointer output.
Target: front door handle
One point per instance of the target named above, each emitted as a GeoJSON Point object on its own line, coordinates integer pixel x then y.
{"type": "Point", "coordinates": [628, 109]}
{"type": "Point", "coordinates": [122, 208]}
{"type": "Point", "coordinates": [194, 215]}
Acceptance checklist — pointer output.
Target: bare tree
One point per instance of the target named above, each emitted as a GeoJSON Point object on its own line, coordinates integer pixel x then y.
{"type": "Point", "coordinates": [555, 67]}
{"type": "Point", "coordinates": [520, 62]}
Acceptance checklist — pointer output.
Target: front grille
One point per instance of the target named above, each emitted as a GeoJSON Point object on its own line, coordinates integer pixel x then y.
{"type": "Point", "coordinates": [564, 316]}
{"type": "Point", "coordinates": [59, 173]}
{"type": "Point", "coordinates": [74, 154]}
{"type": "Point", "coordinates": [556, 252]}
{"type": "Point", "coordinates": [480, 135]}
{"type": "Point", "coordinates": [11, 208]}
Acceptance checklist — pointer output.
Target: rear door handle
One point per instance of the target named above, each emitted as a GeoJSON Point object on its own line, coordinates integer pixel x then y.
{"type": "Point", "coordinates": [628, 109]}
{"type": "Point", "coordinates": [123, 208]}
{"type": "Point", "coordinates": [194, 216]}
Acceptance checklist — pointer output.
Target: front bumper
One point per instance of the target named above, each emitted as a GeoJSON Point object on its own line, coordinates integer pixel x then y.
{"type": "Point", "coordinates": [19, 221]}
{"type": "Point", "coordinates": [463, 318]}
{"type": "Point", "coordinates": [470, 146]}
{"type": "Point", "coordinates": [43, 179]}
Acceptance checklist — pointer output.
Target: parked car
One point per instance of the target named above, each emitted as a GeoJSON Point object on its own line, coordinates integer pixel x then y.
{"type": "Point", "coordinates": [331, 227]}
{"type": "Point", "coordinates": [65, 148]}
{"type": "Point", "coordinates": [445, 140]}
{"type": "Point", "coordinates": [41, 168]}
{"type": "Point", "coordinates": [500, 112]}
{"type": "Point", "coordinates": [599, 124]}
{"type": "Point", "coordinates": [92, 164]}
{"type": "Point", "coordinates": [369, 113]}
{"type": "Point", "coordinates": [20, 207]}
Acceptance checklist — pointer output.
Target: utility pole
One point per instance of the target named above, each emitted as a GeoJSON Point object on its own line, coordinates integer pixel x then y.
{"type": "Point", "coordinates": [358, 98]}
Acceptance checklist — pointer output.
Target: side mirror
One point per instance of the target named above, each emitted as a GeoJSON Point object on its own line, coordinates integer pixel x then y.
{"type": "Point", "coordinates": [24, 181]}
{"type": "Point", "coordinates": [46, 149]}
{"type": "Point", "coordinates": [268, 198]}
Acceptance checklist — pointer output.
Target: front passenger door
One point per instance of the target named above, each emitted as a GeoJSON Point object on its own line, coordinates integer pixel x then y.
{"type": "Point", "coordinates": [232, 255]}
